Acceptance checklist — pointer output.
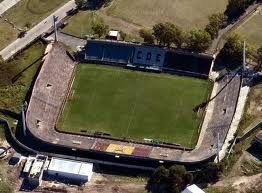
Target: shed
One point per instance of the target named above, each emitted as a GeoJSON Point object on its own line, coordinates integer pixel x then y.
{"type": "Point", "coordinates": [70, 170]}
{"type": "Point", "coordinates": [15, 159]}
{"type": "Point", "coordinates": [193, 189]}
{"type": "Point", "coordinates": [113, 35]}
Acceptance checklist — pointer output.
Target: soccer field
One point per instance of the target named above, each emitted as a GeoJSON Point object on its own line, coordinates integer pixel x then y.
{"type": "Point", "coordinates": [135, 105]}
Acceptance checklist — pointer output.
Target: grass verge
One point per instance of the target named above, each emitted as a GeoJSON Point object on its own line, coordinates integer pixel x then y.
{"type": "Point", "coordinates": [8, 34]}
{"type": "Point", "coordinates": [130, 16]}
{"type": "Point", "coordinates": [187, 14]}
{"type": "Point", "coordinates": [6, 184]}
{"type": "Point", "coordinates": [251, 30]}
{"type": "Point", "coordinates": [27, 13]}
{"type": "Point", "coordinates": [15, 80]}
{"type": "Point", "coordinates": [133, 104]}
{"type": "Point", "coordinates": [252, 113]}
{"type": "Point", "coordinates": [81, 24]}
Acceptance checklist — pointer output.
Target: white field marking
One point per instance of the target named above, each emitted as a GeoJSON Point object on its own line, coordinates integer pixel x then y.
{"type": "Point", "coordinates": [132, 111]}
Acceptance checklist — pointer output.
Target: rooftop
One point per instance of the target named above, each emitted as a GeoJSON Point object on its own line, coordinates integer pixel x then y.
{"type": "Point", "coordinates": [113, 33]}
{"type": "Point", "coordinates": [69, 166]}
{"type": "Point", "coordinates": [193, 189]}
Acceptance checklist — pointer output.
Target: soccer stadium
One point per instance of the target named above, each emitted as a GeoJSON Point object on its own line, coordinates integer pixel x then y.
{"type": "Point", "coordinates": [130, 103]}
{"type": "Point", "coordinates": [127, 104]}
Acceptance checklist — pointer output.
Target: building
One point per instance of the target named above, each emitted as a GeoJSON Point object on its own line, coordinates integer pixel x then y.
{"type": "Point", "coordinates": [193, 189]}
{"type": "Point", "coordinates": [28, 165]}
{"type": "Point", "coordinates": [36, 170]}
{"type": "Point", "coordinates": [15, 159]}
{"type": "Point", "coordinates": [147, 57]}
{"type": "Point", "coordinates": [68, 170]}
{"type": "Point", "coordinates": [113, 35]}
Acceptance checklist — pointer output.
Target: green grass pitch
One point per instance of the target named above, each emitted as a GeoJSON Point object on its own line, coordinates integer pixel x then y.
{"type": "Point", "coordinates": [135, 105]}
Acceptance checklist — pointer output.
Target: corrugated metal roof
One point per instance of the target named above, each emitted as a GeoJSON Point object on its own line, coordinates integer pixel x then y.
{"type": "Point", "coordinates": [70, 166]}
{"type": "Point", "coordinates": [193, 189]}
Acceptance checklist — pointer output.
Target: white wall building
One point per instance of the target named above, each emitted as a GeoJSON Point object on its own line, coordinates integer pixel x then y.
{"type": "Point", "coordinates": [79, 172]}
{"type": "Point", "coordinates": [113, 35]}
{"type": "Point", "coordinates": [193, 189]}
{"type": "Point", "coordinates": [36, 170]}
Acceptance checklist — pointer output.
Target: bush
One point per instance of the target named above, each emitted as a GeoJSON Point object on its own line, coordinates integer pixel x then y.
{"type": "Point", "coordinates": [146, 35]}
{"type": "Point", "coordinates": [100, 28]}
{"type": "Point", "coordinates": [199, 40]}
{"type": "Point", "coordinates": [172, 180]}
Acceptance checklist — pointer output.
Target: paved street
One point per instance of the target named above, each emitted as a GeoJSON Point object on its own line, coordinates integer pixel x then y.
{"type": "Point", "coordinates": [7, 4]}
{"type": "Point", "coordinates": [36, 31]}
{"type": "Point", "coordinates": [68, 40]}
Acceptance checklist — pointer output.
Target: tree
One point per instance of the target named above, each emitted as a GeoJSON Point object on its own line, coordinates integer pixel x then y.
{"type": "Point", "coordinates": [167, 34]}
{"type": "Point", "coordinates": [216, 22]}
{"type": "Point", "coordinates": [79, 3]}
{"type": "Point", "coordinates": [233, 47]}
{"type": "Point", "coordinates": [160, 175]}
{"type": "Point", "coordinates": [178, 179]}
{"type": "Point", "coordinates": [210, 173]}
{"type": "Point", "coordinates": [100, 28]}
{"type": "Point", "coordinates": [172, 180]}
{"type": "Point", "coordinates": [180, 38]}
{"type": "Point", "coordinates": [158, 31]}
{"type": "Point", "coordinates": [146, 35]}
{"type": "Point", "coordinates": [198, 40]}
{"type": "Point", "coordinates": [123, 35]}
{"type": "Point", "coordinates": [235, 8]}
{"type": "Point", "coordinates": [232, 52]}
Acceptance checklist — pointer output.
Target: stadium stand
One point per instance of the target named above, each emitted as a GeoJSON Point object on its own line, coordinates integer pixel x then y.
{"type": "Point", "coordinates": [109, 53]}
{"type": "Point", "coordinates": [147, 57]}
{"type": "Point", "coordinates": [188, 63]}
{"type": "Point", "coordinates": [51, 90]}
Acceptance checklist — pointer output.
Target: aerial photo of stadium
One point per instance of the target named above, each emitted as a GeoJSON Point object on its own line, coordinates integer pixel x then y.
{"type": "Point", "coordinates": [132, 101]}
{"type": "Point", "coordinates": [124, 96]}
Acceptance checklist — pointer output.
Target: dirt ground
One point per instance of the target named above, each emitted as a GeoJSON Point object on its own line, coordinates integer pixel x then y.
{"type": "Point", "coordinates": [242, 183]}
{"type": "Point", "coordinates": [100, 183]}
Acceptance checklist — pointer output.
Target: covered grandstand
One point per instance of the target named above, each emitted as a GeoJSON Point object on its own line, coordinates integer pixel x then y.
{"type": "Point", "coordinates": [193, 64]}
{"type": "Point", "coordinates": [147, 57]}
{"type": "Point", "coordinates": [109, 53]}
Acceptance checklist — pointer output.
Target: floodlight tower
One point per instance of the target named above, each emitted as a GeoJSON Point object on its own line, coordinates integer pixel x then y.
{"type": "Point", "coordinates": [24, 109]}
{"type": "Point", "coordinates": [55, 27]}
{"type": "Point", "coordinates": [218, 147]}
{"type": "Point", "coordinates": [244, 56]}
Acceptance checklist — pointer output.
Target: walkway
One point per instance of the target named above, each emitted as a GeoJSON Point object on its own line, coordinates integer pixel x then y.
{"type": "Point", "coordinates": [7, 4]}
{"type": "Point", "coordinates": [36, 31]}
{"type": "Point", "coordinates": [68, 40]}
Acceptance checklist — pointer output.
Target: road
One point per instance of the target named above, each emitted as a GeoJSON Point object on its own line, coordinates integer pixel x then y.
{"type": "Point", "coordinates": [68, 40]}
{"type": "Point", "coordinates": [7, 4]}
{"type": "Point", "coordinates": [36, 31]}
